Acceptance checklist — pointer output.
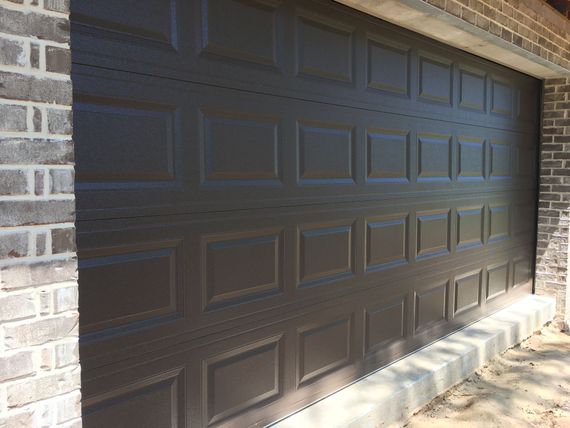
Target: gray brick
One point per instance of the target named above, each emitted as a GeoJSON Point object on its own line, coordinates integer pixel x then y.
{"type": "Point", "coordinates": [16, 365]}
{"type": "Point", "coordinates": [37, 151]}
{"type": "Point", "coordinates": [66, 354]}
{"type": "Point", "coordinates": [35, 55]}
{"type": "Point", "coordinates": [37, 120]}
{"type": "Point", "coordinates": [12, 52]}
{"type": "Point", "coordinates": [65, 299]}
{"type": "Point", "coordinates": [43, 27]}
{"type": "Point", "coordinates": [38, 332]}
{"type": "Point", "coordinates": [61, 181]}
{"type": "Point", "coordinates": [13, 118]}
{"type": "Point", "coordinates": [37, 273]}
{"type": "Point", "coordinates": [13, 245]}
{"type": "Point", "coordinates": [41, 246]}
{"type": "Point", "coordinates": [41, 388]}
{"type": "Point", "coordinates": [62, 240]}
{"type": "Point", "coordinates": [19, 213]}
{"type": "Point", "coordinates": [59, 121]}
{"type": "Point", "coordinates": [17, 306]}
{"type": "Point", "coordinates": [19, 87]}
{"type": "Point", "coordinates": [13, 182]}
{"type": "Point", "coordinates": [39, 182]}
{"type": "Point", "coordinates": [57, 5]}
{"type": "Point", "coordinates": [58, 60]}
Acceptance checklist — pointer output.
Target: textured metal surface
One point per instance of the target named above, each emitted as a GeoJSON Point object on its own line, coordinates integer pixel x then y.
{"type": "Point", "coordinates": [277, 197]}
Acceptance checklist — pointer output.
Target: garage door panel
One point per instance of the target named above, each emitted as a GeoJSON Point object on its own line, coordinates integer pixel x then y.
{"type": "Point", "coordinates": [189, 276]}
{"type": "Point", "coordinates": [317, 347]}
{"type": "Point", "coordinates": [172, 147]}
{"type": "Point", "coordinates": [285, 56]}
{"type": "Point", "coordinates": [152, 396]}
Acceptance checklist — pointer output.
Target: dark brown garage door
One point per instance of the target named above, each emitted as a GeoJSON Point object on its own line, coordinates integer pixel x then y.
{"type": "Point", "coordinates": [278, 197]}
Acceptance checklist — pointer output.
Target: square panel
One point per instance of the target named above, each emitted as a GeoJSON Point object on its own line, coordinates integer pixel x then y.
{"type": "Point", "coordinates": [324, 48]}
{"type": "Point", "coordinates": [325, 253]}
{"type": "Point", "coordinates": [430, 306]}
{"type": "Point", "coordinates": [499, 222]}
{"type": "Point", "coordinates": [435, 80]}
{"type": "Point", "coordinates": [388, 67]}
{"type": "Point", "coordinates": [135, 147]}
{"type": "Point", "coordinates": [156, 400]}
{"type": "Point", "coordinates": [145, 280]}
{"type": "Point", "coordinates": [325, 153]}
{"type": "Point", "coordinates": [153, 20]}
{"type": "Point", "coordinates": [501, 98]}
{"type": "Point", "coordinates": [388, 156]}
{"type": "Point", "coordinates": [241, 266]}
{"type": "Point", "coordinates": [500, 160]}
{"type": "Point", "coordinates": [433, 235]}
{"type": "Point", "coordinates": [522, 269]}
{"type": "Point", "coordinates": [384, 324]}
{"type": "Point", "coordinates": [323, 347]}
{"type": "Point", "coordinates": [240, 148]}
{"type": "Point", "coordinates": [242, 378]}
{"type": "Point", "coordinates": [497, 279]}
{"type": "Point", "coordinates": [470, 227]}
{"type": "Point", "coordinates": [471, 158]}
{"type": "Point", "coordinates": [434, 157]}
{"type": "Point", "coordinates": [467, 291]}
{"type": "Point", "coordinates": [245, 30]}
{"type": "Point", "coordinates": [472, 90]}
{"type": "Point", "coordinates": [386, 241]}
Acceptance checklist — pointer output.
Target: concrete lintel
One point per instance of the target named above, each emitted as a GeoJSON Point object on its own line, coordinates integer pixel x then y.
{"type": "Point", "coordinates": [392, 394]}
{"type": "Point", "coordinates": [423, 18]}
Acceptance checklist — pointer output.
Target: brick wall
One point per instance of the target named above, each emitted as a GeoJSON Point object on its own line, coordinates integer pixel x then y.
{"type": "Point", "coordinates": [554, 198]}
{"type": "Point", "coordinates": [529, 24]}
{"type": "Point", "coordinates": [39, 368]}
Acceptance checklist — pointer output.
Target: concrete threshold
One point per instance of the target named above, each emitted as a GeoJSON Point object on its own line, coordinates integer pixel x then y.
{"type": "Point", "coordinates": [391, 395]}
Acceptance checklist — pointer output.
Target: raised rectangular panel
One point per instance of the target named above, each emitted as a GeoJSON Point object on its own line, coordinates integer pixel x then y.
{"type": "Point", "coordinates": [434, 157]}
{"type": "Point", "coordinates": [325, 153]}
{"type": "Point", "coordinates": [388, 156]}
{"type": "Point", "coordinates": [153, 402]}
{"type": "Point", "coordinates": [522, 270]}
{"type": "Point", "coordinates": [242, 378]}
{"type": "Point", "coordinates": [499, 222]}
{"type": "Point", "coordinates": [324, 48]}
{"type": "Point", "coordinates": [323, 348]}
{"type": "Point", "coordinates": [241, 29]}
{"type": "Point", "coordinates": [471, 165]}
{"type": "Point", "coordinates": [153, 20]}
{"type": "Point", "coordinates": [434, 80]}
{"type": "Point", "coordinates": [240, 148]}
{"type": "Point", "coordinates": [242, 266]}
{"type": "Point", "coordinates": [525, 160]}
{"type": "Point", "coordinates": [325, 253]}
{"type": "Point", "coordinates": [386, 241]}
{"type": "Point", "coordinates": [467, 291]}
{"type": "Point", "coordinates": [472, 90]}
{"type": "Point", "coordinates": [125, 141]}
{"type": "Point", "coordinates": [388, 67]}
{"type": "Point", "coordinates": [470, 227]}
{"type": "Point", "coordinates": [126, 284]}
{"type": "Point", "coordinates": [501, 98]}
{"type": "Point", "coordinates": [500, 160]}
{"type": "Point", "coordinates": [432, 233]}
{"type": "Point", "coordinates": [384, 324]}
{"type": "Point", "coordinates": [523, 218]}
{"type": "Point", "coordinates": [497, 280]}
{"type": "Point", "coordinates": [430, 306]}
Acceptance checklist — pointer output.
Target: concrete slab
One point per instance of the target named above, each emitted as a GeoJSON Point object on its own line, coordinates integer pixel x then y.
{"type": "Point", "coordinates": [392, 394]}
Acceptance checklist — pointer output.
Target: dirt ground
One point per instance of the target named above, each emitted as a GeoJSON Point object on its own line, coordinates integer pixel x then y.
{"type": "Point", "coordinates": [526, 386]}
